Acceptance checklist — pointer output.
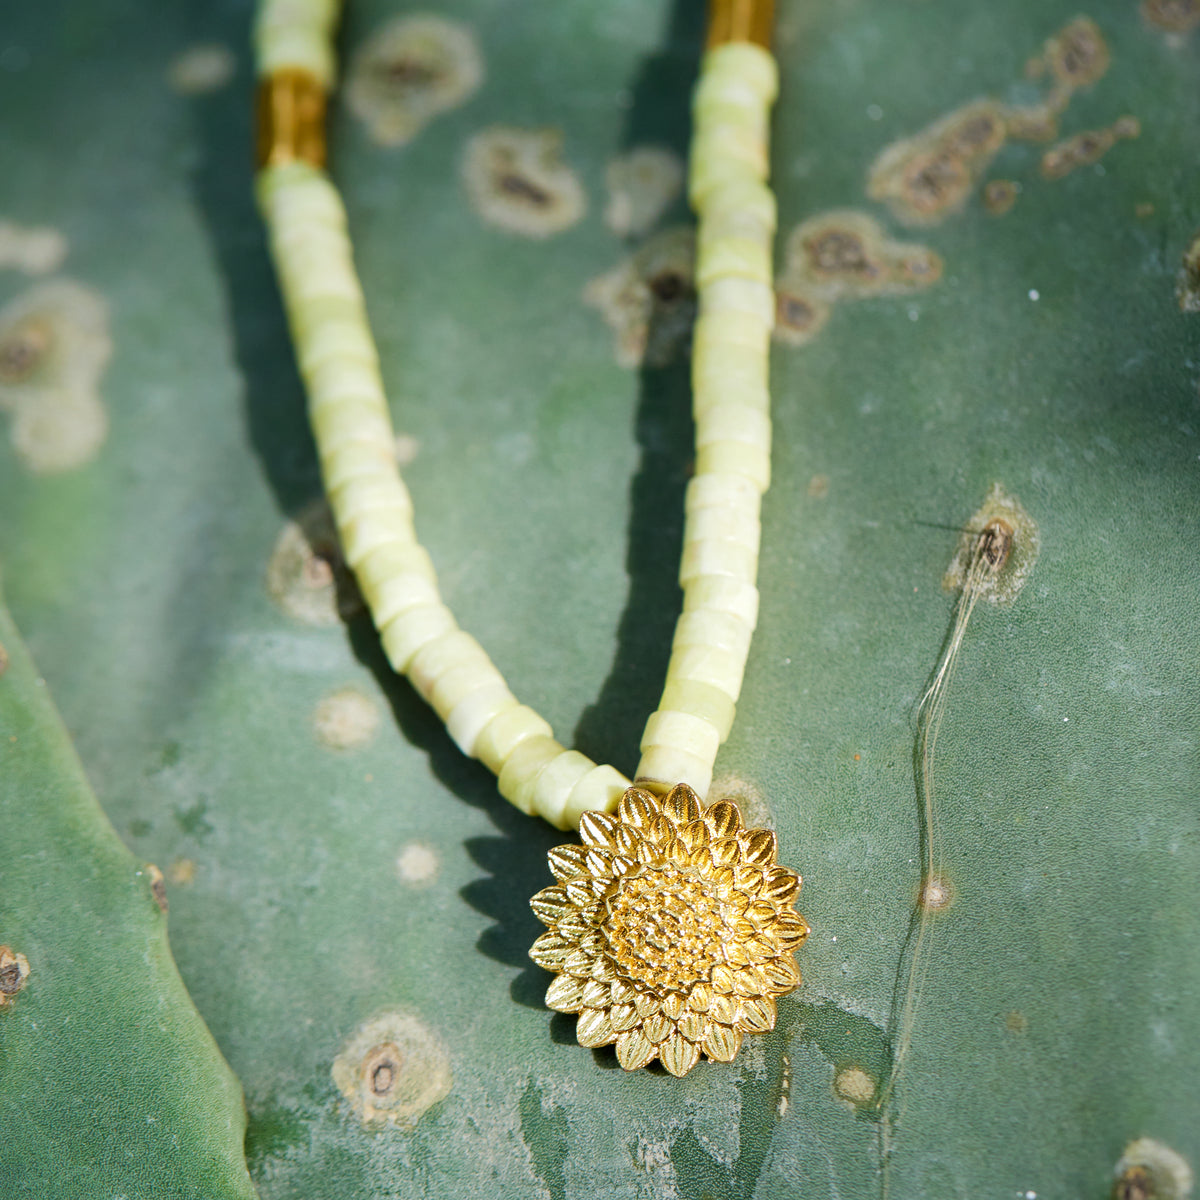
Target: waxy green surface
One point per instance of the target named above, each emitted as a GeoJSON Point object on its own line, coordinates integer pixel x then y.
{"type": "Point", "coordinates": [1059, 1017]}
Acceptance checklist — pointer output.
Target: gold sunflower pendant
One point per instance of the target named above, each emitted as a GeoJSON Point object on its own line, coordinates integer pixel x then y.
{"type": "Point", "coordinates": [671, 930]}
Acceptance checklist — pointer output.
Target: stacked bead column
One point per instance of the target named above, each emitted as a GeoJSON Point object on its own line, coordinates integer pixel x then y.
{"type": "Point", "coordinates": [727, 188]}
{"type": "Point", "coordinates": [356, 444]}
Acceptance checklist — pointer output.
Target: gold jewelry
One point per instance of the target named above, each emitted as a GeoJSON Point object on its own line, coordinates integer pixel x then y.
{"type": "Point", "coordinates": [746, 939]}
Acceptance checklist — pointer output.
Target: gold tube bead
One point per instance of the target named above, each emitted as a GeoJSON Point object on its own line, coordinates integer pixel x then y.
{"type": "Point", "coordinates": [291, 119]}
{"type": "Point", "coordinates": [740, 21]}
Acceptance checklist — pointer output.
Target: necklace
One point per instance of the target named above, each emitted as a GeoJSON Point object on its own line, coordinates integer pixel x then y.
{"type": "Point", "coordinates": [671, 928]}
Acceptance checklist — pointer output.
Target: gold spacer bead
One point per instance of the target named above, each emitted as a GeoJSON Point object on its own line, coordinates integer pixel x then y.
{"type": "Point", "coordinates": [740, 21]}
{"type": "Point", "coordinates": [291, 119]}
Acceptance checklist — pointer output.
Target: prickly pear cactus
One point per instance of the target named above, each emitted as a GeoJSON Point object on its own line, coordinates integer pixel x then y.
{"type": "Point", "coordinates": [984, 218]}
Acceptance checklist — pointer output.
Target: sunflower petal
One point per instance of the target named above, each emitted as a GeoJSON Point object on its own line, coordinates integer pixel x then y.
{"type": "Point", "coordinates": [659, 831]}
{"type": "Point", "coordinates": [694, 834]}
{"type": "Point", "coordinates": [567, 862]}
{"type": "Point", "coordinates": [749, 981]}
{"type": "Point", "coordinates": [747, 879]}
{"type": "Point", "coordinates": [551, 951]}
{"type": "Point", "coordinates": [550, 905]}
{"type": "Point", "coordinates": [724, 851]}
{"type": "Point", "coordinates": [604, 969]}
{"type": "Point", "coordinates": [701, 997]}
{"type": "Point", "coordinates": [761, 847]}
{"type": "Point", "coordinates": [760, 912]}
{"type": "Point", "coordinates": [781, 885]}
{"type": "Point", "coordinates": [678, 1055]}
{"type": "Point", "coordinates": [596, 994]}
{"type": "Point", "coordinates": [622, 865]}
{"type": "Point", "coordinates": [736, 954]}
{"type": "Point", "coordinates": [722, 979]}
{"type": "Point", "coordinates": [565, 994]}
{"type": "Point", "coordinates": [722, 1042]}
{"type": "Point", "coordinates": [598, 862]}
{"type": "Point", "coordinates": [579, 892]}
{"type": "Point", "coordinates": [692, 1025]}
{"type": "Point", "coordinates": [598, 829]}
{"type": "Point", "coordinates": [723, 819]}
{"type": "Point", "coordinates": [681, 804]}
{"type": "Point", "coordinates": [623, 1017]}
{"type": "Point", "coordinates": [672, 1005]}
{"type": "Point", "coordinates": [635, 1050]}
{"type": "Point", "coordinates": [782, 974]}
{"type": "Point", "coordinates": [594, 1028]}
{"type": "Point", "coordinates": [648, 1004]}
{"type": "Point", "coordinates": [623, 992]}
{"type": "Point", "coordinates": [579, 963]}
{"type": "Point", "coordinates": [627, 840]}
{"type": "Point", "coordinates": [789, 930]}
{"type": "Point", "coordinates": [657, 1027]}
{"type": "Point", "coordinates": [676, 852]}
{"type": "Point", "coordinates": [758, 1014]}
{"type": "Point", "coordinates": [637, 808]}
{"type": "Point", "coordinates": [724, 1009]}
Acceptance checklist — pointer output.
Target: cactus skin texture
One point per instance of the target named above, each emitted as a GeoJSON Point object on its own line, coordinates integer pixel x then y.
{"type": "Point", "coordinates": [110, 1084]}
{"type": "Point", "coordinates": [336, 877]}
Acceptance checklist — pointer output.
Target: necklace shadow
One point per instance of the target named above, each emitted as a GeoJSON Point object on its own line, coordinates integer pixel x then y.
{"type": "Point", "coordinates": [222, 184]}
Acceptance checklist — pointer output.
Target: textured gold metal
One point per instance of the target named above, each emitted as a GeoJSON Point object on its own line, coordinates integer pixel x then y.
{"type": "Point", "coordinates": [671, 930]}
{"type": "Point", "coordinates": [291, 119]}
{"type": "Point", "coordinates": [740, 21]}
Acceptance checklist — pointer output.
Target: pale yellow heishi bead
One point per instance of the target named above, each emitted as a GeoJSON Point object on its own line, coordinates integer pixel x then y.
{"type": "Point", "coordinates": [722, 593]}
{"type": "Point", "coordinates": [601, 788]}
{"type": "Point", "coordinates": [702, 700]}
{"type": "Point", "coordinates": [706, 627]}
{"type": "Point", "coordinates": [521, 769]}
{"type": "Point", "coordinates": [718, 524]}
{"type": "Point", "coordinates": [551, 788]}
{"type": "Point", "coordinates": [682, 729]}
{"type": "Point", "coordinates": [731, 403]}
{"type": "Point", "coordinates": [297, 34]}
{"type": "Point", "coordinates": [505, 732]}
{"type": "Point", "coordinates": [733, 295]}
{"type": "Point", "coordinates": [451, 649]}
{"type": "Point", "coordinates": [411, 629]}
{"type": "Point", "coordinates": [338, 361]}
{"type": "Point", "coordinates": [661, 767]}
{"type": "Point", "coordinates": [474, 712]}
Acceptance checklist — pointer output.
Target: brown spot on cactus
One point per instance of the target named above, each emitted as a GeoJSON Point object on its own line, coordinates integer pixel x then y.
{"type": "Point", "coordinates": [1150, 1170]}
{"type": "Point", "coordinates": [1172, 16]}
{"type": "Point", "coordinates": [649, 300]}
{"type": "Point", "coordinates": [14, 971]}
{"type": "Point", "coordinates": [410, 70]}
{"type": "Point", "coordinates": [307, 575]}
{"type": "Point", "coordinates": [516, 180]}
{"type": "Point", "coordinates": [1188, 286]}
{"type": "Point", "coordinates": [1077, 55]}
{"type": "Point", "coordinates": [843, 255]}
{"type": "Point", "coordinates": [158, 887]}
{"type": "Point", "coordinates": [392, 1069]}
{"type": "Point", "coordinates": [345, 719]}
{"type": "Point", "coordinates": [182, 872]}
{"type": "Point", "coordinates": [798, 318]}
{"type": "Point", "coordinates": [642, 184]}
{"type": "Point", "coordinates": [926, 177]}
{"type": "Point", "coordinates": [854, 1085]}
{"type": "Point", "coordinates": [999, 195]}
{"type": "Point", "coordinates": [1004, 540]}
{"type": "Point", "coordinates": [1086, 148]}
{"type": "Point", "coordinates": [54, 345]}
{"type": "Point", "coordinates": [936, 894]}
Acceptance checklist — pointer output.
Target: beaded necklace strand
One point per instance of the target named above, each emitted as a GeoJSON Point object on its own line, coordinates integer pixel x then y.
{"type": "Point", "coordinates": [671, 928]}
